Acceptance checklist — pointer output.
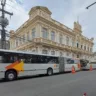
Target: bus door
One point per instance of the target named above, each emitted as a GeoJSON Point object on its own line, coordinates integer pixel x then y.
{"type": "Point", "coordinates": [61, 64]}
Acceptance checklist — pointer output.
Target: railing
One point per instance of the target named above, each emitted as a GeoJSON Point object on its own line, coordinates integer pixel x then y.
{"type": "Point", "coordinates": [52, 43]}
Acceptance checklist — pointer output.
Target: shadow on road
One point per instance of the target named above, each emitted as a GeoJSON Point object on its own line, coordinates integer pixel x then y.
{"type": "Point", "coordinates": [31, 77]}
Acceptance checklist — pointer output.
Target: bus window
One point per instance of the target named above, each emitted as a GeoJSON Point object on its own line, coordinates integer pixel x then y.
{"type": "Point", "coordinates": [77, 61]}
{"type": "Point", "coordinates": [0, 59]}
{"type": "Point", "coordinates": [92, 62]}
{"type": "Point", "coordinates": [54, 60]}
{"type": "Point", "coordinates": [69, 61]}
{"type": "Point", "coordinates": [43, 59]}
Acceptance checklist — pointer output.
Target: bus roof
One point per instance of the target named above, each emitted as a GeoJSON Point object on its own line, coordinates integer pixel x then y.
{"type": "Point", "coordinates": [30, 53]}
{"type": "Point", "coordinates": [23, 52]}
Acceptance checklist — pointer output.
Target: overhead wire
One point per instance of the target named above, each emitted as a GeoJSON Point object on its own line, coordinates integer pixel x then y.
{"type": "Point", "coordinates": [11, 1]}
{"type": "Point", "coordinates": [13, 7]}
{"type": "Point", "coordinates": [7, 34]}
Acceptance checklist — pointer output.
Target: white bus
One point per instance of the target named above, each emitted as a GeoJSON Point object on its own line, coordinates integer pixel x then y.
{"type": "Point", "coordinates": [16, 63]}
{"type": "Point", "coordinates": [87, 65]}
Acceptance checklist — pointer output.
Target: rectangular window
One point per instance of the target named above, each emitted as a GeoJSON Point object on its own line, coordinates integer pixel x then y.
{"type": "Point", "coordinates": [81, 46]}
{"type": "Point", "coordinates": [77, 45]}
{"type": "Point", "coordinates": [73, 43]}
{"type": "Point", "coordinates": [44, 52]}
{"type": "Point", "coordinates": [84, 47]}
{"type": "Point", "coordinates": [20, 40]}
{"type": "Point", "coordinates": [67, 40]}
{"type": "Point", "coordinates": [60, 39]}
{"type": "Point", "coordinates": [23, 38]}
{"type": "Point", "coordinates": [67, 54]}
{"type": "Point", "coordinates": [45, 33]}
{"type": "Point", "coordinates": [53, 36]}
{"type": "Point", "coordinates": [11, 44]}
{"type": "Point", "coordinates": [90, 49]}
{"type": "Point", "coordinates": [61, 54]}
{"type": "Point", "coordinates": [77, 56]}
{"type": "Point", "coordinates": [52, 52]}
{"type": "Point", "coordinates": [28, 36]}
{"type": "Point", "coordinates": [33, 50]}
{"type": "Point", "coordinates": [16, 42]}
{"type": "Point", "coordinates": [33, 33]}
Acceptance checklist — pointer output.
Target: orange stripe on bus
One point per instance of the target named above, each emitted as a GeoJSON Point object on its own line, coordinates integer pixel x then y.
{"type": "Point", "coordinates": [12, 65]}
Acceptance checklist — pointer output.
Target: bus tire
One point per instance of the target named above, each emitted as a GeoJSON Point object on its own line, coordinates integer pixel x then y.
{"type": "Point", "coordinates": [11, 75]}
{"type": "Point", "coordinates": [49, 71]}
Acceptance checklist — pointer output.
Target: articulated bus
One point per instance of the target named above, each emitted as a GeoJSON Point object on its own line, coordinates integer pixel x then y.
{"type": "Point", "coordinates": [16, 63]}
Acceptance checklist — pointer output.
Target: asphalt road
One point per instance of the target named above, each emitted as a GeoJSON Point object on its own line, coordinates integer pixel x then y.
{"type": "Point", "coordinates": [57, 85]}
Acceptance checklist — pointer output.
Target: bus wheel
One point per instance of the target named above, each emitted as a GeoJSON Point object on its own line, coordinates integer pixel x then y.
{"type": "Point", "coordinates": [50, 71]}
{"type": "Point", "coordinates": [10, 75]}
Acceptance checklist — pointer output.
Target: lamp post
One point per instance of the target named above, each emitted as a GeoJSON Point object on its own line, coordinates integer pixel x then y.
{"type": "Point", "coordinates": [90, 5]}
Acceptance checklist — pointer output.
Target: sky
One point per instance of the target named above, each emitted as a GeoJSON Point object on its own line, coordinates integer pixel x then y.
{"type": "Point", "coordinates": [64, 11]}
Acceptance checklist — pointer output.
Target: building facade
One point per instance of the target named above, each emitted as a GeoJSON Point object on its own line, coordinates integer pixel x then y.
{"type": "Point", "coordinates": [93, 57]}
{"type": "Point", "coordinates": [44, 35]}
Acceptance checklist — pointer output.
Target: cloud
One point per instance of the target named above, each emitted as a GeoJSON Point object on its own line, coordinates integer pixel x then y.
{"type": "Point", "coordinates": [20, 15]}
{"type": "Point", "coordinates": [87, 18]}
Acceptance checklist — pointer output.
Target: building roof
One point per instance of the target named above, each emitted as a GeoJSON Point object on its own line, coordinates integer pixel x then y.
{"type": "Point", "coordinates": [40, 7]}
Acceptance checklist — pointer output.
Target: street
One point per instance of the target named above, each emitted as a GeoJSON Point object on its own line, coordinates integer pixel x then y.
{"type": "Point", "coordinates": [57, 85]}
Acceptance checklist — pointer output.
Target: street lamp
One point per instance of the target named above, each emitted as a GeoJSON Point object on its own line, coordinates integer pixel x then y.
{"type": "Point", "coordinates": [90, 5]}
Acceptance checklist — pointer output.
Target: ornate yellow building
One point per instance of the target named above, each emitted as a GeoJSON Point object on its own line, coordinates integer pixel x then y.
{"type": "Point", "coordinates": [44, 35]}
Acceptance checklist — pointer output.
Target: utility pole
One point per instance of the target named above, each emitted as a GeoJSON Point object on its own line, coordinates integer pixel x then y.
{"type": "Point", "coordinates": [3, 22]}
{"type": "Point", "coordinates": [90, 5]}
